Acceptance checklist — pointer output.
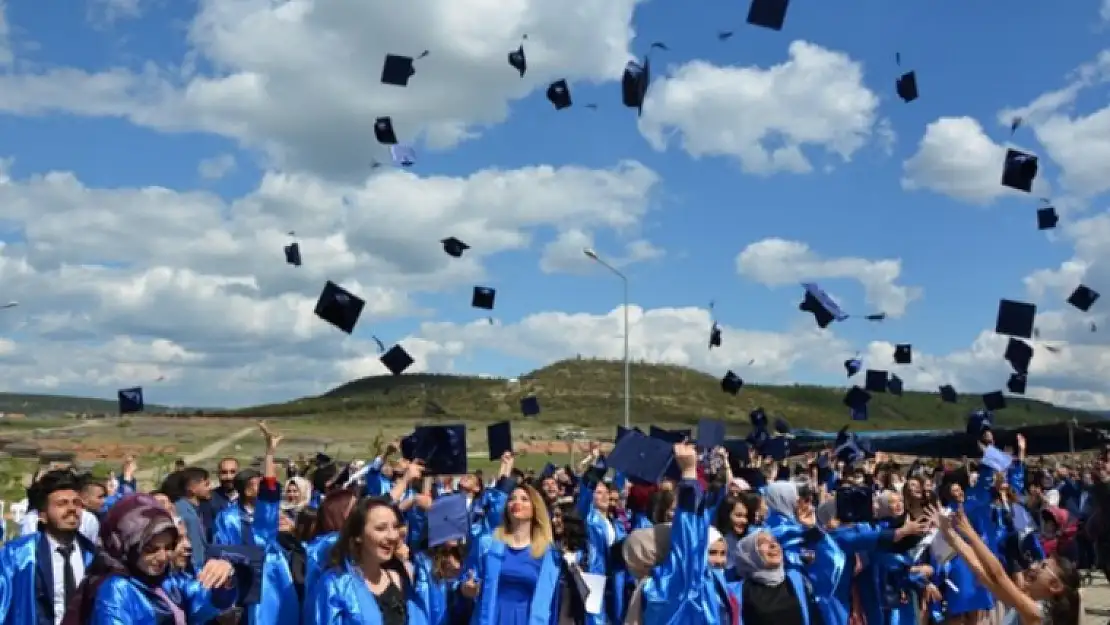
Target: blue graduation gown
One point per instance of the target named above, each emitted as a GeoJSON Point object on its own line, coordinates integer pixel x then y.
{"type": "Point", "coordinates": [852, 540]}
{"type": "Point", "coordinates": [341, 597]}
{"type": "Point", "coordinates": [597, 554]}
{"type": "Point", "coordinates": [27, 579]}
{"type": "Point", "coordinates": [438, 599]}
{"type": "Point", "coordinates": [486, 559]}
{"type": "Point", "coordinates": [124, 601]}
{"type": "Point", "coordinates": [316, 559]}
{"type": "Point", "coordinates": [278, 603]}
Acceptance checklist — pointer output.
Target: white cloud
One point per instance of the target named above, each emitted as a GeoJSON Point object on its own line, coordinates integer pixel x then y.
{"type": "Point", "coordinates": [6, 56]}
{"type": "Point", "coordinates": [566, 253]}
{"type": "Point", "coordinates": [777, 262]}
{"type": "Point", "coordinates": [1104, 11]}
{"type": "Point", "coordinates": [765, 118]}
{"type": "Point", "coordinates": [957, 158]}
{"type": "Point", "coordinates": [301, 79]}
{"type": "Point", "coordinates": [216, 167]}
{"type": "Point", "coordinates": [107, 12]}
{"type": "Point", "coordinates": [116, 273]}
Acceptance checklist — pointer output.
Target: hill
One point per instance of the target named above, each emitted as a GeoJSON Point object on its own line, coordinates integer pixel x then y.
{"type": "Point", "coordinates": [588, 392]}
{"type": "Point", "coordinates": [29, 404]}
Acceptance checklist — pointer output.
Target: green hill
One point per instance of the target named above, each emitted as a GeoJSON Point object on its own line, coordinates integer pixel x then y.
{"type": "Point", "coordinates": [588, 392]}
{"type": "Point", "coordinates": [23, 403]}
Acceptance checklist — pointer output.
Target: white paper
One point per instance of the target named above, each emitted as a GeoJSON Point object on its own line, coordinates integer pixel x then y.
{"type": "Point", "coordinates": [997, 459]}
{"type": "Point", "coordinates": [591, 587]}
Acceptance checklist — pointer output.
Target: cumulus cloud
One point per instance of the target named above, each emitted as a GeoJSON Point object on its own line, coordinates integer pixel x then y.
{"type": "Point", "coordinates": [777, 262]}
{"type": "Point", "coordinates": [956, 158]}
{"type": "Point", "coordinates": [766, 118]}
{"type": "Point", "coordinates": [566, 253]}
{"type": "Point", "coordinates": [216, 167]}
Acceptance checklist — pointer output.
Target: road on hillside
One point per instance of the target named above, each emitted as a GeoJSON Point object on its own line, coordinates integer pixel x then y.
{"type": "Point", "coordinates": [205, 453]}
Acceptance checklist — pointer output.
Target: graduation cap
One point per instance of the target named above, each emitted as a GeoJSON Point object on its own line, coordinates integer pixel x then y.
{"type": "Point", "coordinates": [1018, 170]}
{"type": "Point", "coordinates": [714, 336]}
{"type": "Point", "coordinates": [1083, 297]}
{"type": "Point", "coordinates": [876, 381]}
{"type": "Point", "coordinates": [1047, 218]}
{"type": "Point", "coordinates": [483, 297]}
{"type": "Point", "coordinates": [854, 504]}
{"type": "Point", "coordinates": [731, 383]}
{"type": "Point", "coordinates": [856, 400]}
{"type": "Point", "coordinates": [903, 354]}
{"type": "Point", "coordinates": [906, 87]}
{"type": "Point", "coordinates": [753, 476]}
{"type": "Point", "coordinates": [448, 520]}
{"type": "Point", "coordinates": [383, 131]}
{"type": "Point", "coordinates": [396, 360]}
{"type": "Point", "coordinates": [1016, 383]}
{"type": "Point", "coordinates": [518, 61]}
{"type": "Point", "coordinates": [1015, 318]}
{"type": "Point", "coordinates": [894, 385]}
{"type": "Point", "coordinates": [454, 247]}
{"type": "Point", "coordinates": [948, 394]}
{"type": "Point", "coordinates": [529, 406]}
{"type": "Point", "coordinates": [724, 35]}
{"type": "Point", "coordinates": [669, 436]}
{"type": "Point", "coordinates": [397, 70]}
{"type": "Point", "coordinates": [781, 426]}
{"type": "Point", "coordinates": [758, 419]}
{"type": "Point", "coordinates": [130, 400]}
{"type": "Point", "coordinates": [768, 13]}
{"type": "Point", "coordinates": [852, 366]}
{"type": "Point", "coordinates": [403, 155]}
{"type": "Point", "coordinates": [442, 448]}
{"type": "Point", "coordinates": [558, 93]}
{"type": "Point", "coordinates": [978, 422]}
{"type": "Point", "coordinates": [711, 433]}
{"type": "Point", "coordinates": [247, 561]}
{"type": "Point", "coordinates": [642, 458]}
{"type": "Point", "coordinates": [293, 254]}
{"type": "Point", "coordinates": [339, 307]}
{"type": "Point", "coordinates": [499, 437]}
{"type": "Point", "coordinates": [622, 432]}
{"type": "Point", "coordinates": [738, 450]}
{"type": "Point", "coordinates": [1018, 354]}
{"type": "Point", "coordinates": [994, 400]}
{"type": "Point", "coordinates": [776, 448]}
{"type": "Point", "coordinates": [634, 84]}
{"type": "Point", "coordinates": [823, 308]}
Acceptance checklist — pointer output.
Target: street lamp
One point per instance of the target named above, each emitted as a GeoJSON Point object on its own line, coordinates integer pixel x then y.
{"type": "Point", "coordinates": [592, 255]}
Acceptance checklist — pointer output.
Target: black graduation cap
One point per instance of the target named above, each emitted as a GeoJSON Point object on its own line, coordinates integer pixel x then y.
{"type": "Point", "coordinates": [529, 406]}
{"type": "Point", "coordinates": [641, 457]}
{"type": "Point", "coordinates": [293, 254]}
{"type": "Point", "coordinates": [448, 520]}
{"type": "Point", "coordinates": [130, 400]}
{"type": "Point", "coordinates": [758, 419]}
{"type": "Point", "coordinates": [499, 437]}
{"type": "Point", "coordinates": [1018, 170]}
{"type": "Point", "coordinates": [397, 70]}
{"type": "Point", "coordinates": [634, 84]}
{"type": "Point", "coordinates": [1047, 218]}
{"type": "Point", "coordinates": [339, 307]}
{"type": "Point", "coordinates": [442, 448]}
{"type": "Point", "coordinates": [894, 385]}
{"type": "Point", "coordinates": [768, 13]}
{"type": "Point", "coordinates": [823, 308]}
{"type": "Point", "coordinates": [518, 61]}
{"type": "Point", "coordinates": [711, 433]}
{"type": "Point", "coordinates": [714, 336]}
{"type": "Point", "coordinates": [396, 360]}
{"type": "Point", "coordinates": [903, 354]}
{"type": "Point", "coordinates": [1083, 297]}
{"type": "Point", "coordinates": [1016, 383]}
{"type": "Point", "coordinates": [247, 561]}
{"type": "Point", "coordinates": [1015, 318]}
{"type": "Point", "coordinates": [483, 297]}
{"type": "Point", "coordinates": [948, 394]}
{"type": "Point", "coordinates": [876, 381]}
{"type": "Point", "coordinates": [994, 400]}
{"type": "Point", "coordinates": [856, 400]}
{"type": "Point", "coordinates": [1018, 354]}
{"type": "Point", "coordinates": [738, 453]}
{"type": "Point", "coordinates": [731, 383]}
{"type": "Point", "coordinates": [383, 131]}
{"type": "Point", "coordinates": [782, 426]}
{"type": "Point", "coordinates": [724, 35]}
{"type": "Point", "coordinates": [906, 87]}
{"type": "Point", "coordinates": [454, 247]}
{"type": "Point", "coordinates": [852, 366]}
{"type": "Point", "coordinates": [978, 422]}
{"type": "Point", "coordinates": [776, 448]}
{"type": "Point", "coordinates": [854, 504]}
{"type": "Point", "coordinates": [558, 93]}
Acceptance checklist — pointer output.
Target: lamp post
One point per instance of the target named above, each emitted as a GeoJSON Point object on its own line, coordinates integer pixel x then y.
{"type": "Point", "coordinates": [592, 255]}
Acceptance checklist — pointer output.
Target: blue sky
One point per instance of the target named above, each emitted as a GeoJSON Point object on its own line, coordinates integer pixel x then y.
{"type": "Point", "coordinates": [971, 60]}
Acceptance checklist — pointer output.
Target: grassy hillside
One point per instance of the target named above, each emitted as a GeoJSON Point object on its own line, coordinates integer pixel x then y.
{"type": "Point", "coordinates": [40, 404]}
{"type": "Point", "coordinates": [588, 393]}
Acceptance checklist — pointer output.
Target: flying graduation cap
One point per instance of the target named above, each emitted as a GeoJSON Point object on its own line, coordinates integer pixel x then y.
{"type": "Point", "coordinates": [1083, 297]}
{"type": "Point", "coordinates": [724, 35]}
{"type": "Point", "coordinates": [130, 400]}
{"type": "Point", "coordinates": [293, 254]}
{"type": "Point", "coordinates": [768, 13]}
{"type": "Point", "coordinates": [403, 155]}
{"type": "Point", "coordinates": [1018, 170]}
{"type": "Point", "coordinates": [483, 297]}
{"type": "Point", "coordinates": [454, 247]}
{"type": "Point", "coordinates": [714, 336]}
{"type": "Point", "coordinates": [396, 360]}
{"type": "Point", "coordinates": [383, 131]}
{"type": "Point", "coordinates": [397, 69]}
{"type": "Point", "coordinates": [821, 305]}
{"type": "Point", "coordinates": [636, 80]}
{"type": "Point", "coordinates": [906, 84]}
{"type": "Point", "coordinates": [856, 400]}
{"type": "Point", "coordinates": [1046, 216]}
{"type": "Point", "coordinates": [731, 383]}
{"type": "Point", "coordinates": [894, 385]}
{"type": "Point", "coordinates": [853, 365]}
{"type": "Point", "coordinates": [517, 59]}
{"type": "Point", "coordinates": [339, 307]}
{"type": "Point", "coordinates": [558, 93]}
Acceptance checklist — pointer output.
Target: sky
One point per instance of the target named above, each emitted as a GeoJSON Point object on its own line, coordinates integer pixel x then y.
{"type": "Point", "coordinates": [156, 155]}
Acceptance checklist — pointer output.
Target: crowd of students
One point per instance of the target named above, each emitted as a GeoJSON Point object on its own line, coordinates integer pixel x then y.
{"type": "Point", "coordinates": [839, 537]}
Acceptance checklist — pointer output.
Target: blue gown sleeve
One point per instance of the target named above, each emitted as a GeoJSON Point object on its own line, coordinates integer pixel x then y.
{"type": "Point", "coordinates": [267, 511]}
{"type": "Point", "coordinates": [7, 569]}
{"type": "Point", "coordinates": [688, 561]}
{"type": "Point", "coordinates": [327, 603]}
{"type": "Point", "coordinates": [1015, 475]}
{"type": "Point", "coordinates": [201, 604]}
{"type": "Point", "coordinates": [222, 532]}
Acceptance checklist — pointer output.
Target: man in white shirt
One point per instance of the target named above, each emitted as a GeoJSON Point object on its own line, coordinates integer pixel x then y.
{"type": "Point", "coordinates": [89, 527]}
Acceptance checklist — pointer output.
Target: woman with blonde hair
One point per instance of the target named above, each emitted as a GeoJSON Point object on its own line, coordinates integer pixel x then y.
{"type": "Point", "coordinates": [513, 573]}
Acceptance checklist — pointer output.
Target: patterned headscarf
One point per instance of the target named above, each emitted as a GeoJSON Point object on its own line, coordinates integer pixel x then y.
{"type": "Point", "coordinates": [126, 530]}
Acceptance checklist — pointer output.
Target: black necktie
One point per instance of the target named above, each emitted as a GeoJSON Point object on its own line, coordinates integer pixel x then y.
{"type": "Point", "coordinates": [69, 579]}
